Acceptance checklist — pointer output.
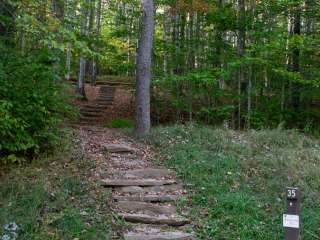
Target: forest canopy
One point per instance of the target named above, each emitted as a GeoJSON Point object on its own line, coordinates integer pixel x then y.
{"type": "Point", "coordinates": [246, 64]}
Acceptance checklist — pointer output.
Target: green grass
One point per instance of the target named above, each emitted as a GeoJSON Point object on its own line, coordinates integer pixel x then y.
{"type": "Point", "coordinates": [237, 179]}
{"type": "Point", "coordinates": [53, 199]}
{"type": "Point", "coordinates": [120, 123]}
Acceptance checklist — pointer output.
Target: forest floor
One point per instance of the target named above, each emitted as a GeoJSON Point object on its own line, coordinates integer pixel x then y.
{"type": "Point", "coordinates": [235, 182]}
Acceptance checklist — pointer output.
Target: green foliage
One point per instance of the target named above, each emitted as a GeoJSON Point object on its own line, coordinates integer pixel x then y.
{"type": "Point", "coordinates": [32, 102]}
{"type": "Point", "coordinates": [237, 179]}
{"type": "Point", "coordinates": [120, 123]}
{"type": "Point", "coordinates": [195, 95]}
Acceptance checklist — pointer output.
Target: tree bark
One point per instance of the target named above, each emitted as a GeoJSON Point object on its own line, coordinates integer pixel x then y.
{"type": "Point", "coordinates": [241, 50]}
{"type": "Point", "coordinates": [98, 30]}
{"type": "Point", "coordinates": [82, 65]}
{"type": "Point", "coordinates": [142, 101]}
{"type": "Point", "coordinates": [296, 55]}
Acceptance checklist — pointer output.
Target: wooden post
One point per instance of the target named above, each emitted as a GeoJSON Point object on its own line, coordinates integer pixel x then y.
{"type": "Point", "coordinates": [291, 220]}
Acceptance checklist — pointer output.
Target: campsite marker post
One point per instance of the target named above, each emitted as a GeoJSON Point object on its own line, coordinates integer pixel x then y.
{"type": "Point", "coordinates": [291, 219]}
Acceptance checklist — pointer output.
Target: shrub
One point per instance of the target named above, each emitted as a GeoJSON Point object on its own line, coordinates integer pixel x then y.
{"type": "Point", "coordinates": [32, 102]}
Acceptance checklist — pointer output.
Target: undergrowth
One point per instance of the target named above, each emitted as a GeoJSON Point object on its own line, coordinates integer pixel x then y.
{"type": "Point", "coordinates": [237, 179]}
{"type": "Point", "coordinates": [53, 199]}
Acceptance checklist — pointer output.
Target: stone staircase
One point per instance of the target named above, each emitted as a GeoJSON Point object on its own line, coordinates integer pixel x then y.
{"type": "Point", "coordinates": [94, 111]}
{"type": "Point", "coordinates": [144, 196]}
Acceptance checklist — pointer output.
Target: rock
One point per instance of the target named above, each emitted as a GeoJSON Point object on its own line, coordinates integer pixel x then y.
{"type": "Point", "coordinates": [148, 232]}
{"type": "Point", "coordinates": [166, 188]}
{"type": "Point", "coordinates": [150, 219]}
{"type": "Point", "coordinates": [153, 189]}
{"type": "Point", "coordinates": [148, 198]}
{"type": "Point", "coordinates": [132, 189]}
{"type": "Point", "coordinates": [148, 208]}
{"type": "Point", "coordinates": [159, 236]}
{"type": "Point", "coordinates": [146, 173]}
{"type": "Point", "coordinates": [141, 182]}
{"type": "Point", "coordinates": [118, 148]}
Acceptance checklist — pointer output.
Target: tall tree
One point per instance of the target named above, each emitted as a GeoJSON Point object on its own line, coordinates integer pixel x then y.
{"type": "Point", "coordinates": [241, 50]}
{"type": "Point", "coordinates": [82, 67]}
{"type": "Point", "coordinates": [142, 100]}
{"type": "Point", "coordinates": [97, 33]}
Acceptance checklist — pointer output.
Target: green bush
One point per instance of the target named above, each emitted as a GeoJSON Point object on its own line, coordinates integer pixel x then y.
{"type": "Point", "coordinates": [32, 102]}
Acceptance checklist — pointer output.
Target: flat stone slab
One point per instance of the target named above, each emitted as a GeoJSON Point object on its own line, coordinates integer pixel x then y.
{"type": "Point", "coordinates": [149, 208]}
{"type": "Point", "coordinates": [141, 182]}
{"type": "Point", "coordinates": [159, 236]}
{"type": "Point", "coordinates": [118, 148]}
{"type": "Point", "coordinates": [152, 189]}
{"type": "Point", "coordinates": [145, 173]}
{"type": "Point", "coordinates": [147, 198]}
{"type": "Point", "coordinates": [150, 219]}
{"type": "Point", "coordinates": [151, 232]}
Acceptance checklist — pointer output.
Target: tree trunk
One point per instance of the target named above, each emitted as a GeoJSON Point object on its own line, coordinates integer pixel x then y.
{"type": "Point", "coordinates": [70, 27]}
{"type": "Point", "coordinates": [142, 101]}
{"type": "Point", "coordinates": [98, 29]}
{"type": "Point", "coordinates": [68, 61]}
{"type": "Point", "coordinates": [166, 33]}
{"type": "Point", "coordinates": [241, 50]}
{"type": "Point", "coordinates": [82, 67]}
{"type": "Point", "coordinates": [57, 7]}
{"type": "Point", "coordinates": [296, 56]}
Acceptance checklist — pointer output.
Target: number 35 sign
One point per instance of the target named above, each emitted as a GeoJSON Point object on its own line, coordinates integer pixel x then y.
{"type": "Point", "coordinates": [291, 219]}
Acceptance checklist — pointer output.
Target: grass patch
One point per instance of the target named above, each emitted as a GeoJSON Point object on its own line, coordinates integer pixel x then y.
{"type": "Point", "coordinates": [53, 199]}
{"type": "Point", "coordinates": [237, 179]}
{"type": "Point", "coordinates": [120, 123]}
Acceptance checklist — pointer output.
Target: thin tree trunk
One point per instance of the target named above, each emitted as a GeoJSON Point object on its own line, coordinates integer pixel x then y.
{"type": "Point", "coordinates": [241, 50]}
{"type": "Point", "coordinates": [82, 67]}
{"type": "Point", "coordinates": [68, 62]}
{"type": "Point", "coordinates": [142, 101]}
{"type": "Point", "coordinates": [57, 8]}
{"type": "Point", "coordinates": [70, 27]}
{"type": "Point", "coordinates": [166, 33]}
{"type": "Point", "coordinates": [296, 56]}
{"type": "Point", "coordinates": [98, 30]}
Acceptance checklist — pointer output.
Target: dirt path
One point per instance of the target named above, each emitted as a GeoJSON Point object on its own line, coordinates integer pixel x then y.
{"type": "Point", "coordinates": [142, 194]}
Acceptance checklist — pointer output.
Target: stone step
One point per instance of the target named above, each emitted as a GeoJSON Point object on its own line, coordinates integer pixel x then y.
{"type": "Point", "coordinates": [91, 114]}
{"type": "Point", "coordinates": [90, 110]}
{"type": "Point", "coordinates": [150, 219]}
{"type": "Point", "coordinates": [106, 95]}
{"type": "Point", "coordinates": [152, 189]}
{"type": "Point", "coordinates": [88, 120]}
{"type": "Point", "coordinates": [150, 213]}
{"type": "Point", "coordinates": [104, 102]}
{"type": "Point", "coordinates": [97, 107]}
{"type": "Point", "coordinates": [146, 208]}
{"type": "Point", "coordinates": [107, 90]}
{"type": "Point", "coordinates": [158, 236]}
{"type": "Point", "coordinates": [150, 232]}
{"type": "Point", "coordinates": [139, 182]}
{"type": "Point", "coordinates": [145, 173]}
{"type": "Point", "coordinates": [147, 198]}
{"type": "Point", "coordinates": [107, 100]}
{"type": "Point", "coordinates": [118, 148]}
